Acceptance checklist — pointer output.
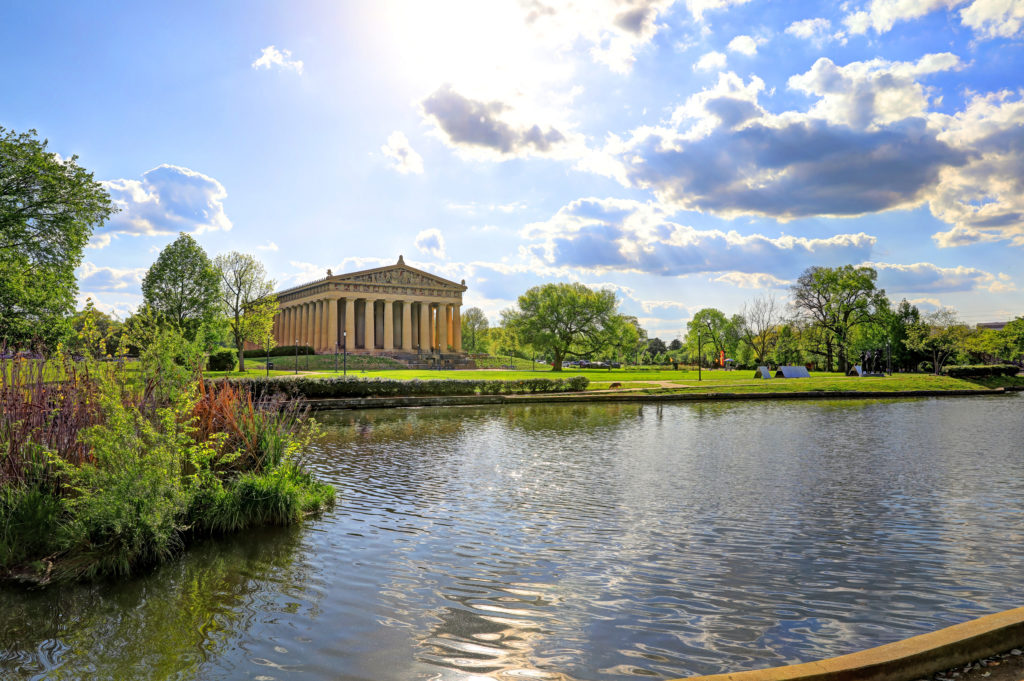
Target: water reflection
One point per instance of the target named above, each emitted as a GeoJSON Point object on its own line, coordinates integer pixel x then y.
{"type": "Point", "coordinates": [581, 542]}
{"type": "Point", "coordinates": [178, 622]}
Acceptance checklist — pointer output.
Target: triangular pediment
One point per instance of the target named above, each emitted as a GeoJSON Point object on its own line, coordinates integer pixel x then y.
{"type": "Point", "coordinates": [398, 275]}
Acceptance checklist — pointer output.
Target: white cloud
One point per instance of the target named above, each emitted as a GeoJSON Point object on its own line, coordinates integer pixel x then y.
{"type": "Point", "coordinates": [601, 235]}
{"type": "Point", "coordinates": [98, 241]}
{"type": "Point", "coordinates": [871, 94]}
{"type": "Point", "coordinates": [117, 304]}
{"type": "Point", "coordinates": [983, 198]}
{"type": "Point", "coordinates": [699, 7]}
{"type": "Point", "coordinates": [817, 30]}
{"type": "Point", "coordinates": [757, 280]}
{"type": "Point", "coordinates": [925, 277]}
{"type": "Point", "coordinates": [404, 157]}
{"type": "Point", "coordinates": [493, 129]}
{"type": "Point", "coordinates": [272, 57]}
{"type": "Point", "coordinates": [269, 246]}
{"type": "Point", "coordinates": [743, 44]}
{"type": "Point", "coordinates": [987, 18]}
{"type": "Point", "coordinates": [994, 18]}
{"type": "Point", "coordinates": [95, 278]}
{"type": "Point", "coordinates": [710, 61]}
{"type": "Point", "coordinates": [431, 241]}
{"type": "Point", "coordinates": [168, 199]}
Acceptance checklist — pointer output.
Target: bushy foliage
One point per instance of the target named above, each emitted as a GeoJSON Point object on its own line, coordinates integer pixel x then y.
{"type": "Point", "coordinates": [980, 370]}
{"type": "Point", "coordinates": [281, 350]}
{"type": "Point", "coordinates": [118, 473]}
{"type": "Point", "coordinates": [326, 388]}
{"type": "Point", "coordinates": [222, 359]}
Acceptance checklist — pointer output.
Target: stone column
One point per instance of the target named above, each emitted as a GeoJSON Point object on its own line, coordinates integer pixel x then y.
{"type": "Point", "coordinates": [307, 331]}
{"type": "Point", "coordinates": [406, 325]}
{"type": "Point", "coordinates": [389, 325]}
{"type": "Point", "coordinates": [442, 327]}
{"type": "Point", "coordinates": [314, 325]}
{"type": "Point", "coordinates": [332, 325]}
{"type": "Point", "coordinates": [425, 327]}
{"type": "Point", "coordinates": [350, 323]}
{"type": "Point", "coordinates": [368, 340]}
{"type": "Point", "coordinates": [457, 327]}
{"type": "Point", "coordinates": [299, 319]}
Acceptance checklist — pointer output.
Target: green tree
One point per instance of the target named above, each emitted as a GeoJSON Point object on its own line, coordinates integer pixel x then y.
{"type": "Point", "coordinates": [474, 330]}
{"type": "Point", "coordinates": [1013, 339]}
{"type": "Point", "coordinates": [95, 332]}
{"type": "Point", "coordinates": [247, 300]}
{"type": "Point", "coordinates": [675, 345]}
{"type": "Point", "coordinates": [621, 336]}
{"type": "Point", "coordinates": [656, 346]}
{"type": "Point", "coordinates": [504, 341]}
{"type": "Point", "coordinates": [49, 207]}
{"type": "Point", "coordinates": [563, 319]}
{"type": "Point", "coordinates": [837, 300]}
{"type": "Point", "coordinates": [940, 334]}
{"type": "Point", "coordinates": [182, 286]}
{"type": "Point", "coordinates": [717, 333]}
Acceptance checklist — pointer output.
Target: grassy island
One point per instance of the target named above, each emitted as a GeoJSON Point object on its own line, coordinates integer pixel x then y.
{"type": "Point", "coordinates": [104, 471]}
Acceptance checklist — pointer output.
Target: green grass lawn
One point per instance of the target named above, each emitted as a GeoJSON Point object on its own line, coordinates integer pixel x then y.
{"type": "Point", "coordinates": [652, 380]}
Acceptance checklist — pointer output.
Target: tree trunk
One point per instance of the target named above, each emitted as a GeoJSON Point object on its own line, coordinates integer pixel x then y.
{"type": "Point", "coordinates": [556, 363]}
{"type": "Point", "coordinates": [240, 346]}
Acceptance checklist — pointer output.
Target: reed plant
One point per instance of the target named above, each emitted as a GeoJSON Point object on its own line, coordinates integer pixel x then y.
{"type": "Point", "coordinates": [102, 473]}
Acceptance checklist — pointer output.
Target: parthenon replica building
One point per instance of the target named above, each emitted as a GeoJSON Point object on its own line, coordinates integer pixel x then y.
{"type": "Point", "coordinates": [387, 310]}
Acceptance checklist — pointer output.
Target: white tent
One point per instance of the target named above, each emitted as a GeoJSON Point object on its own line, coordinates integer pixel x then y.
{"type": "Point", "coordinates": [792, 372]}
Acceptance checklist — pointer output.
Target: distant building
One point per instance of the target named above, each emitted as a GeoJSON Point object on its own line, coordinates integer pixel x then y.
{"type": "Point", "coordinates": [994, 326]}
{"type": "Point", "coordinates": [378, 311]}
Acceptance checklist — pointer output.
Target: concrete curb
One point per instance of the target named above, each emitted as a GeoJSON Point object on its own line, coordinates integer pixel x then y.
{"type": "Point", "coordinates": [574, 398]}
{"type": "Point", "coordinates": [913, 658]}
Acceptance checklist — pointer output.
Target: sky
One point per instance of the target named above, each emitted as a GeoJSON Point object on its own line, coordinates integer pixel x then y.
{"type": "Point", "coordinates": [689, 154]}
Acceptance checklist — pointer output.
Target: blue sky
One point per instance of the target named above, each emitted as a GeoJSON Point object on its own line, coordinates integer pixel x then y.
{"type": "Point", "coordinates": [687, 154]}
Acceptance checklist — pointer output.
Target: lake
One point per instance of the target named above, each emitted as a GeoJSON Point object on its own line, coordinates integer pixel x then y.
{"type": "Point", "coordinates": [590, 542]}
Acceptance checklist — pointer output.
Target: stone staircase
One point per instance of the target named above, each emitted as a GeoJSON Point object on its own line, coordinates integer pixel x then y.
{"type": "Point", "coordinates": [432, 361]}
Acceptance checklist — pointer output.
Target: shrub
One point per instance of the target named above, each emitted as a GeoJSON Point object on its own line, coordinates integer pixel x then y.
{"type": "Point", "coordinates": [326, 388]}
{"type": "Point", "coordinates": [980, 370]}
{"type": "Point", "coordinates": [925, 367]}
{"type": "Point", "coordinates": [222, 359]}
{"type": "Point", "coordinates": [279, 351]}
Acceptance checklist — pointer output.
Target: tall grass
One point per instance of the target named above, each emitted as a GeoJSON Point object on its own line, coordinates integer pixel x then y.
{"type": "Point", "coordinates": [100, 475]}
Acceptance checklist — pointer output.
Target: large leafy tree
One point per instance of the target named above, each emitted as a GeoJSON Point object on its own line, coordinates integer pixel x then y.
{"type": "Point", "coordinates": [1013, 338]}
{"type": "Point", "coordinates": [941, 334]}
{"type": "Point", "coordinates": [711, 326]}
{"type": "Point", "coordinates": [474, 330]}
{"type": "Point", "coordinates": [247, 300]}
{"type": "Point", "coordinates": [182, 286]}
{"type": "Point", "coordinates": [49, 207]}
{"type": "Point", "coordinates": [837, 300]}
{"type": "Point", "coordinates": [563, 320]}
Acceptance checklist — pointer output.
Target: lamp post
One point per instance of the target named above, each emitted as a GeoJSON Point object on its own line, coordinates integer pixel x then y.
{"type": "Point", "coordinates": [344, 352]}
{"type": "Point", "coordinates": [307, 358]}
{"type": "Point", "coordinates": [699, 355]}
{"type": "Point", "coordinates": [335, 356]}
{"type": "Point", "coordinates": [888, 355]}
{"type": "Point", "coordinates": [268, 356]}
{"type": "Point", "coordinates": [296, 356]}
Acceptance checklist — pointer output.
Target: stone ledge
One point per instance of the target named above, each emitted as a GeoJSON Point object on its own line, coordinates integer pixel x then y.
{"type": "Point", "coordinates": [913, 658]}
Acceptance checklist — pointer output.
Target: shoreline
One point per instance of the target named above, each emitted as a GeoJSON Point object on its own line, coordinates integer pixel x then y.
{"type": "Point", "coordinates": [917, 657]}
{"type": "Point", "coordinates": [337, 403]}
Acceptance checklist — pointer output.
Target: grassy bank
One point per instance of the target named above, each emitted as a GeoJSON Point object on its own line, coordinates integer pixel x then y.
{"type": "Point", "coordinates": [102, 472]}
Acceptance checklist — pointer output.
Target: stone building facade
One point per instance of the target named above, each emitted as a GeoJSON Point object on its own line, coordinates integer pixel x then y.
{"type": "Point", "coordinates": [387, 310]}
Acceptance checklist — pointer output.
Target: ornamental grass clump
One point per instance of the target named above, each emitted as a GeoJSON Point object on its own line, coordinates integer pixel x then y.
{"type": "Point", "coordinates": [101, 473]}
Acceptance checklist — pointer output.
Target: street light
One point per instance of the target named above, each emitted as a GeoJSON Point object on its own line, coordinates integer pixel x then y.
{"type": "Point", "coordinates": [296, 356]}
{"type": "Point", "coordinates": [344, 350]}
{"type": "Point", "coordinates": [268, 356]}
{"type": "Point", "coordinates": [699, 355]}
